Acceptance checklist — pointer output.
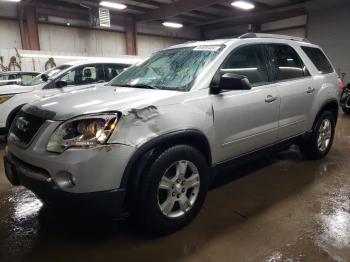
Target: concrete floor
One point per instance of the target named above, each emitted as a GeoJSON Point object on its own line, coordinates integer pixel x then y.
{"type": "Point", "coordinates": [280, 208]}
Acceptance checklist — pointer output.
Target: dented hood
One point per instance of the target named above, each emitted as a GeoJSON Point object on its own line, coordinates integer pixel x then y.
{"type": "Point", "coordinates": [67, 105]}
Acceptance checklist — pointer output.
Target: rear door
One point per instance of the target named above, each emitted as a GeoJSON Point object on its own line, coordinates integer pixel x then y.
{"type": "Point", "coordinates": [295, 87]}
{"type": "Point", "coordinates": [245, 120]}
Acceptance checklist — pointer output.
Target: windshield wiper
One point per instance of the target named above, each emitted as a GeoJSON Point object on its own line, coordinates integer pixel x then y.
{"type": "Point", "coordinates": [139, 86]}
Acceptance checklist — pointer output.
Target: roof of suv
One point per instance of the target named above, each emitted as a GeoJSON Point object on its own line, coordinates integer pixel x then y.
{"type": "Point", "coordinates": [245, 36]}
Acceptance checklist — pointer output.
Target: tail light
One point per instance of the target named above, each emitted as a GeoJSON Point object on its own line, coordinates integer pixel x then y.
{"type": "Point", "coordinates": [340, 84]}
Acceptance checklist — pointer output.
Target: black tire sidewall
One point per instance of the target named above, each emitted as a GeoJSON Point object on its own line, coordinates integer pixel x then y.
{"type": "Point", "coordinates": [154, 220]}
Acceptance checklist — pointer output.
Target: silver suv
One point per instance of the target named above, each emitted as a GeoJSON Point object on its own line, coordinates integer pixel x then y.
{"type": "Point", "coordinates": [150, 144]}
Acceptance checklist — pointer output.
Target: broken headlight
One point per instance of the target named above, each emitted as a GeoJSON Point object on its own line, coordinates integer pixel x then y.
{"type": "Point", "coordinates": [4, 98]}
{"type": "Point", "coordinates": [83, 131]}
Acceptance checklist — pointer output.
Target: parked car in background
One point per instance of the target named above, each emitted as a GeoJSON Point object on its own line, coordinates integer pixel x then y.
{"type": "Point", "coordinates": [64, 78]}
{"type": "Point", "coordinates": [345, 99]}
{"type": "Point", "coordinates": [16, 77]}
{"type": "Point", "coordinates": [151, 143]}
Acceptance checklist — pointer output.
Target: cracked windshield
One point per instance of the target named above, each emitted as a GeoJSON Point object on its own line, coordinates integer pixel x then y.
{"type": "Point", "coordinates": [172, 69]}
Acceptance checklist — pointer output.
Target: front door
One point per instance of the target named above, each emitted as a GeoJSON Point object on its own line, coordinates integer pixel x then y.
{"type": "Point", "coordinates": [246, 120]}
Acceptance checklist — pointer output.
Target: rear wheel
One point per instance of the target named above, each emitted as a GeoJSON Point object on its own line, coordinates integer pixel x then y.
{"type": "Point", "coordinates": [172, 190]}
{"type": "Point", "coordinates": [318, 144]}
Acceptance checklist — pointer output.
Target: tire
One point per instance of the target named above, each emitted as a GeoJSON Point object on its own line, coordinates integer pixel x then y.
{"type": "Point", "coordinates": [318, 144]}
{"type": "Point", "coordinates": [346, 110]}
{"type": "Point", "coordinates": [155, 199]}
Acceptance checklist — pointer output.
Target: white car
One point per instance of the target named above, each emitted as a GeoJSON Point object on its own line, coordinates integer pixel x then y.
{"type": "Point", "coordinates": [64, 78]}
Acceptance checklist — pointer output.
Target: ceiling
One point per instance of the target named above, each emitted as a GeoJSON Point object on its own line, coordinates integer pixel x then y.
{"type": "Point", "coordinates": [192, 13]}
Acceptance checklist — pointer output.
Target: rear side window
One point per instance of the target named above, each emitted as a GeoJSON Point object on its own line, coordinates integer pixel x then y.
{"type": "Point", "coordinates": [248, 61]}
{"type": "Point", "coordinates": [286, 62]}
{"type": "Point", "coordinates": [319, 59]}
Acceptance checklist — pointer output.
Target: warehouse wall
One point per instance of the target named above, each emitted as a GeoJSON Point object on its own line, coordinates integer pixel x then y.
{"type": "Point", "coordinates": [330, 29]}
{"type": "Point", "coordinates": [295, 26]}
{"type": "Point", "coordinates": [147, 45]}
{"type": "Point", "coordinates": [9, 34]}
{"type": "Point", "coordinates": [97, 42]}
{"type": "Point", "coordinates": [89, 41]}
{"type": "Point", "coordinates": [81, 40]}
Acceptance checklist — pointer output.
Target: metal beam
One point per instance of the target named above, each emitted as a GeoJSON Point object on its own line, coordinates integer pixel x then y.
{"type": "Point", "coordinates": [176, 8]}
{"type": "Point", "coordinates": [30, 27]}
{"type": "Point", "coordinates": [130, 35]}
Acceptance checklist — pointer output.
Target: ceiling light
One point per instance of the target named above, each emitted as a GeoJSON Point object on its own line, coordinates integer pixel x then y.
{"type": "Point", "coordinates": [113, 5]}
{"type": "Point", "coordinates": [172, 24]}
{"type": "Point", "coordinates": [243, 5]}
{"type": "Point", "coordinates": [16, 1]}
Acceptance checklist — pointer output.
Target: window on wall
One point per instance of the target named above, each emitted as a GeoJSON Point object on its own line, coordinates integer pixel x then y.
{"type": "Point", "coordinates": [286, 62]}
{"type": "Point", "coordinates": [319, 59]}
{"type": "Point", "coordinates": [248, 61]}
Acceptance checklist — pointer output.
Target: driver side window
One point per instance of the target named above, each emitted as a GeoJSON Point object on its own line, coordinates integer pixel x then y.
{"type": "Point", "coordinates": [248, 61]}
{"type": "Point", "coordinates": [81, 76]}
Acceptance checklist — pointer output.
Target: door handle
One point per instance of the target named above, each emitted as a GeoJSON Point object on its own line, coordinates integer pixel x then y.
{"type": "Point", "coordinates": [270, 99]}
{"type": "Point", "coordinates": [310, 90]}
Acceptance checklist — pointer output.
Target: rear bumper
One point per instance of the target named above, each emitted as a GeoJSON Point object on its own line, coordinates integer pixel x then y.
{"type": "Point", "coordinates": [39, 182]}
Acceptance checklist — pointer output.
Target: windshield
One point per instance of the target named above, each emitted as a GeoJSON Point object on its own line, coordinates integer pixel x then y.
{"type": "Point", "coordinates": [172, 69]}
{"type": "Point", "coordinates": [50, 73]}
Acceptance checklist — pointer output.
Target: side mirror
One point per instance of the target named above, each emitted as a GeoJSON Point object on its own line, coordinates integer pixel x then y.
{"type": "Point", "coordinates": [44, 77]}
{"type": "Point", "coordinates": [61, 83]}
{"type": "Point", "coordinates": [230, 81]}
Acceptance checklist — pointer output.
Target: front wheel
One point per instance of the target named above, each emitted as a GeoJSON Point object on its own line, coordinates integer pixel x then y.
{"type": "Point", "coordinates": [318, 144]}
{"type": "Point", "coordinates": [172, 190]}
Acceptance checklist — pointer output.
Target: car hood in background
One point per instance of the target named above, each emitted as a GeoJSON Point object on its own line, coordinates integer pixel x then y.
{"type": "Point", "coordinates": [15, 89]}
{"type": "Point", "coordinates": [103, 99]}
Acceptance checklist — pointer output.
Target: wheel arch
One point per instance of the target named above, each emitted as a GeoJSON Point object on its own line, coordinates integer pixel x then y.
{"type": "Point", "coordinates": [12, 116]}
{"type": "Point", "coordinates": [331, 105]}
{"type": "Point", "coordinates": [147, 153]}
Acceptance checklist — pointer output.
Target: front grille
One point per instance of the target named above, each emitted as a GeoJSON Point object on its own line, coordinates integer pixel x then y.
{"type": "Point", "coordinates": [25, 126]}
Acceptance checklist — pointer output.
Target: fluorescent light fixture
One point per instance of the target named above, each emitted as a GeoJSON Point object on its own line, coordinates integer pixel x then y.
{"type": "Point", "coordinates": [15, 1]}
{"type": "Point", "coordinates": [172, 24]}
{"type": "Point", "coordinates": [113, 5]}
{"type": "Point", "coordinates": [243, 5]}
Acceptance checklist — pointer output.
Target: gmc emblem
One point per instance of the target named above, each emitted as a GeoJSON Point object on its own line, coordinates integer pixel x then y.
{"type": "Point", "coordinates": [22, 124]}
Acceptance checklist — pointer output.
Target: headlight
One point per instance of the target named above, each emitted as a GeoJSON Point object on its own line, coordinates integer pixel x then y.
{"type": "Point", "coordinates": [83, 131]}
{"type": "Point", "coordinates": [4, 98]}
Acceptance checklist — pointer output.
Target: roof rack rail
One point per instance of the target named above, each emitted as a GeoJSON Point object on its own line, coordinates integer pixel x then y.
{"type": "Point", "coordinates": [260, 35]}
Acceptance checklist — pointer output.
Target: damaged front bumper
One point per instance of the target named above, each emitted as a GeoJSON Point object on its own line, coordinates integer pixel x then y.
{"type": "Point", "coordinates": [109, 203]}
{"type": "Point", "coordinates": [79, 176]}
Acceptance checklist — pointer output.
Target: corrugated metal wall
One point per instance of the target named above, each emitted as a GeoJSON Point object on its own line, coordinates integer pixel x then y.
{"type": "Point", "coordinates": [81, 40]}
{"type": "Point", "coordinates": [147, 45]}
{"type": "Point", "coordinates": [9, 34]}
